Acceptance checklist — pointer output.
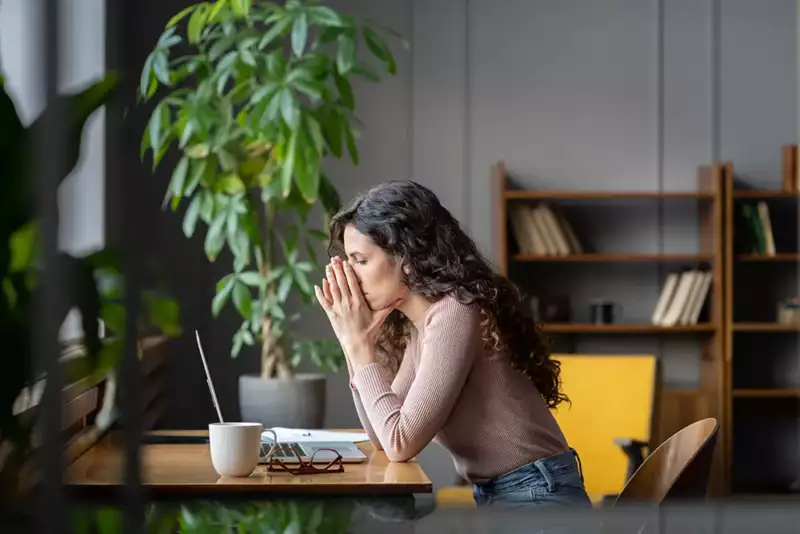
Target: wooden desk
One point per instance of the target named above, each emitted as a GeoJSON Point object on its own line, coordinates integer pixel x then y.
{"type": "Point", "coordinates": [186, 468]}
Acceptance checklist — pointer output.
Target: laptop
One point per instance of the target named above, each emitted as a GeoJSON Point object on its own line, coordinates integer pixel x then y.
{"type": "Point", "coordinates": [285, 452]}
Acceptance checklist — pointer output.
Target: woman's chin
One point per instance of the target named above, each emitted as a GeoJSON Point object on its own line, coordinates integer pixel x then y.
{"type": "Point", "coordinates": [377, 304]}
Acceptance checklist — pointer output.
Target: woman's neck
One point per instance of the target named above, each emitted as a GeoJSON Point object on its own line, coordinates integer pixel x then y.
{"type": "Point", "coordinates": [415, 307]}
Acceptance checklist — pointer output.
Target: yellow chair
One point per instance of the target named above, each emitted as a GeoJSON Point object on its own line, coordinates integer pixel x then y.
{"type": "Point", "coordinates": [609, 421]}
{"type": "Point", "coordinates": [612, 400]}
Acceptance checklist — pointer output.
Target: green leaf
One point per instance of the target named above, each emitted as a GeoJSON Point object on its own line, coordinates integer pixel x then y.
{"type": "Point", "coordinates": [274, 274]}
{"type": "Point", "coordinates": [23, 247]}
{"type": "Point", "coordinates": [181, 14]}
{"type": "Point", "coordinates": [365, 72]}
{"type": "Point", "coordinates": [226, 161]}
{"type": "Point", "coordinates": [332, 131]}
{"type": "Point", "coordinates": [224, 289]}
{"type": "Point", "coordinates": [322, 236]}
{"type": "Point", "coordinates": [230, 183]}
{"type": "Point", "coordinates": [273, 108]}
{"type": "Point", "coordinates": [197, 22]}
{"type": "Point", "coordinates": [187, 132]}
{"type": "Point", "coordinates": [288, 165]}
{"type": "Point", "coordinates": [289, 108]}
{"type": "Point", "coordinates": [277, 29]}
{"type": "Point", "coordinates": [346, 55]}
{"type": "Point", "coordinates": [345, 90]}
{"type": "Point", "coordinates": [154, 128]}
{"type": "Point", "coordinates": [284, 286]}
{"type": "Point", "coordinates": [179, 176]}
{"type": "Point", "coordinates": [216, 10]}
{"type": "Point", "coordinates": [243, 300]}
{"type": "Point", "coordinates": [324, 16]}
{"type": "Point", "coordinates": [192, 214]}
{"type": "Point", "coordinates": [379, 49]}
{"type": "Point", "coordinates": [328, 196]}
{"type": "Point", "coordinates": [197, 171]}
{"type": "Point", "coordinates": [237, 344]}
{"type": "Point", "coordinates": [144, 81]}
{"type": "Point", "coordinates": [299, 34]}
{"type": "Point", "coordinates": [161, 67]}
{"type": "Point", "coordinates": [251, 278]}
{"type": "Point", "coordinates": [312, 89]}
{"type": "Point", "coordinates": [242, 7]}
{"type": "Point", "coordinates": [315, 131]}
{"type": "Point", "coordinates": [351, 143]}
{"type": "Point", "coordinates": [215, 238]}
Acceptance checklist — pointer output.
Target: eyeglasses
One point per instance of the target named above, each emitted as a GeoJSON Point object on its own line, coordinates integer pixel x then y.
{"type": "Point", "coordinates": [309, 467]}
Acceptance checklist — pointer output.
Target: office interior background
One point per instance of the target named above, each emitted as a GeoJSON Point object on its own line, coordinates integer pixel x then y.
{"type": "Point", "coordinates": [588, 96]}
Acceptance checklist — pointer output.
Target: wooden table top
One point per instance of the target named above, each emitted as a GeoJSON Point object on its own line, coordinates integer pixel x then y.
{"type": "Point", "coordinates": [186, 468]}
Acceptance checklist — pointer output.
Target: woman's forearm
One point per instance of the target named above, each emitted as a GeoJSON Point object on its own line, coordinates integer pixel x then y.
{"type": "Point", "coordinates": [362, 414]}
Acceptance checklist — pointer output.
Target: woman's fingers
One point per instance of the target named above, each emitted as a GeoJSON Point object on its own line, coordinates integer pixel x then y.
{"type": "Point", "coordinates": [352, 282]}
{"type": "Point", "coordinates": [326, 290]}
{"type": "Point", "coordinates": [341, 279]}
{"type": "Point", "coordinates": [336, 295]}
{"type": "Point", "coordinates": [323, 301]}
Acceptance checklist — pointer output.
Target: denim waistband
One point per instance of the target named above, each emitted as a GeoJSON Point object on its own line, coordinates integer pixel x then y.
{"type": "Point", "coordinates": [545, 469]}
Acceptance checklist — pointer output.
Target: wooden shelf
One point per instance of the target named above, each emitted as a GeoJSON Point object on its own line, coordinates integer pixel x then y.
{"type": "Point", "coordinates": [763, 194]}
{"type": "Point", "coordinates": [623, 257]}
{"type": "Point", "coordinates": [611, 329]}
{"type": "Point", "coordinates": [525, 194]}
{"type": "Point", "coordinates": [775, 393]}
{"type": "Point", "coordinates": [779, 257]}
{"type": "Point", "coordinates": [765, 327]}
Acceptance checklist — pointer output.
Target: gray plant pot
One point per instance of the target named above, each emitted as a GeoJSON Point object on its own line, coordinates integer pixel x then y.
{"type": "Point", "coordinates": [298, 402]}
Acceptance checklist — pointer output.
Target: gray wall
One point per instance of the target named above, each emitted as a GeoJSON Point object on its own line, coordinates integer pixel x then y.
{"type": "Point", "coordinates": [600, 94]}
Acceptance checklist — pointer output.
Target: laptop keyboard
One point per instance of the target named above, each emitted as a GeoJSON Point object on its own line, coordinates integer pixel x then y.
{"type": "Point", "coordinates": [284, 450]}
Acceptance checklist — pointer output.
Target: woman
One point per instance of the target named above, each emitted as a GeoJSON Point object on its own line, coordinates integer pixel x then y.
{"type": "Point", "coordinates": [440, 348]}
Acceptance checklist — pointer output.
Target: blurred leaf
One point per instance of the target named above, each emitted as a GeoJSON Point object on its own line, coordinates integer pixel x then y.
{"type": "Point", "coordinates": [191, 216]}
{"type": "Point", "coordinates": [181, 14]}
{"type": "Point", "coordinates": [224, 289]}
{"type": "Point", "coordinates": [277, 29]}
{"type": "Point", "coordinates": [379, 49]}
{"type": "Point", "coordinates": [197, 22]}
{"type": "Point", "coordinates": [243, 300]}
{"type": "Point", "coordinates": [346, 55]}
{"type": "Point", "coordinates": [299, 34]}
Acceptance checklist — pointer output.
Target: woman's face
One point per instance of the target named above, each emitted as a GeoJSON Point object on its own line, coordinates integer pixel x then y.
{"type": "Point", "coordinates": [379, 274]}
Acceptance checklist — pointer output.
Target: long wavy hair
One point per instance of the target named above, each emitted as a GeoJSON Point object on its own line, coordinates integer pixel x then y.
{"type": "Point", "coordinates": [408, 222]}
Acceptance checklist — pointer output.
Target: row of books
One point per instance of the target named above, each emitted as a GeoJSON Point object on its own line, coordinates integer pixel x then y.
{"type": "Point", "coordinates": [758, 228]}
{"type": "Point", "coordinates": [543, 229]}
{"type": "Point", "coordinates": [682, 297]}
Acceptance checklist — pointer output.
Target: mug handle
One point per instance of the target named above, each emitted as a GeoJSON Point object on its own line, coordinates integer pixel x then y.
{"type": "Point", "coordinates": [268, 454]}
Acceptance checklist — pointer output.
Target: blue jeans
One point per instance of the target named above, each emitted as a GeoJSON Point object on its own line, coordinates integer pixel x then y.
{"type": "Point", "coordinates": [556, 480]}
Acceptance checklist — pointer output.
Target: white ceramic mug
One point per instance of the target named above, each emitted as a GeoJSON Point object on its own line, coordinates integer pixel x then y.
{"type": "Point", "coordinates": [235, 448]}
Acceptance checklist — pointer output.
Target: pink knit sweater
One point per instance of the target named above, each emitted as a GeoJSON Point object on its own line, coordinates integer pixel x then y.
{"type": "Point", "coordinates": [490, 417]}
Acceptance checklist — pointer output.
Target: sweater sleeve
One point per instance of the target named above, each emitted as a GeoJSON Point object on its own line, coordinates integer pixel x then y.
{"type": "Point", "coordinates": [362, 414]}
{"type": "Point", "coordinates": [450, 341]}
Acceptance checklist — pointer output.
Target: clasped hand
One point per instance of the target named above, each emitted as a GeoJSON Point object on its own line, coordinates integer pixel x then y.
{"type": "Point", "coordinates": [353, 322]}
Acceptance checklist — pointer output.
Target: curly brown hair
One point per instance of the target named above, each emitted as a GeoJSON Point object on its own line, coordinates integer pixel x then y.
{"type": "Point", "coordinates": [408, 222]}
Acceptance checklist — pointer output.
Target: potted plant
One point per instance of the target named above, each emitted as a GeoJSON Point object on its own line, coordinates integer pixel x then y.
{"type": "Point", "coordinates": [255, 96]}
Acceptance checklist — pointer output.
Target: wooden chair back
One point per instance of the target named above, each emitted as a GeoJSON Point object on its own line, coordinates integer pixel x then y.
{"type": "Point", "coordinates": [678, 469]}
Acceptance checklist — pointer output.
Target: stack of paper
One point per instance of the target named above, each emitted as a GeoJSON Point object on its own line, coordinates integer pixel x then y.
{"type": "Point", "coordinates": [288, 435]}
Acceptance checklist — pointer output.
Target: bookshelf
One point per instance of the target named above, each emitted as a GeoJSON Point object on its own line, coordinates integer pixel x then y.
{"type": "Point", "coordinates": [702, 318]}
{"type": "Point", "coordinates": [762, 409]}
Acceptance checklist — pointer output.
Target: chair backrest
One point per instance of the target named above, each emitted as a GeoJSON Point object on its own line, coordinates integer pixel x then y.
{"type": "Point", "coordinates": [678, 469]}
{"type": "Point", "coordinates": [612, 396]}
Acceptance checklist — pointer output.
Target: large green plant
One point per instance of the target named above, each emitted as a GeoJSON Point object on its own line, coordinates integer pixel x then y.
{"type": "Point", "coordinates": [255, 95]}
